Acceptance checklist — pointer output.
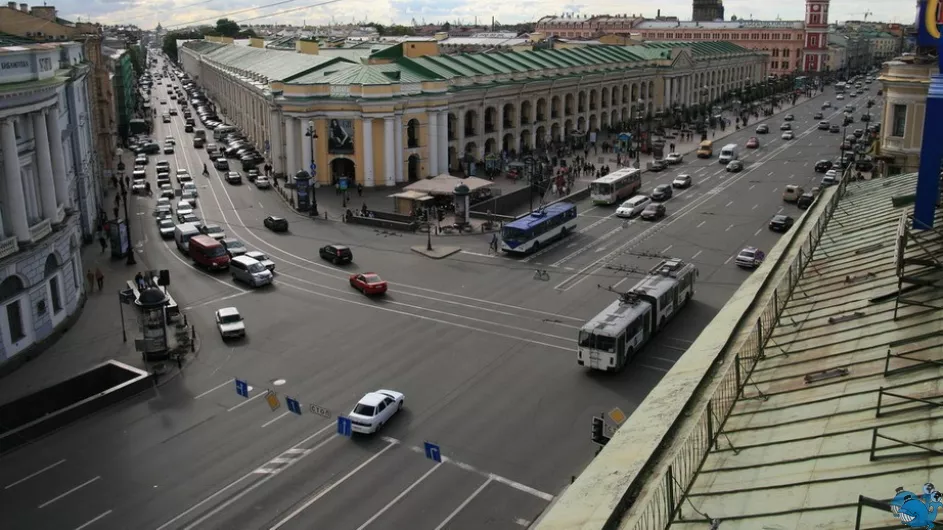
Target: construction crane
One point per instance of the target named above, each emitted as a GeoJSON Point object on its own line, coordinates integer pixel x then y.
{"type": "Point", "coordinates": [866, 14]}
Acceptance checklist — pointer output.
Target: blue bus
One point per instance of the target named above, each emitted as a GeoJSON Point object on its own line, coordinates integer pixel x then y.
{"type": "Point", "coordinates": [540, 227]}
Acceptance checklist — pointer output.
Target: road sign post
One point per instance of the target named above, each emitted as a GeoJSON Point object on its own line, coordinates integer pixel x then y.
{"type": "Point", "coordinates": [320, 411]}
{"type": "Point", "coordinates": [292, 405]}
{"type": "Point", "coordinates": [344, 427]}
{"type": "Point", "coordinates": [433, 452]}
{"type": "Point", "coordinates": [272, 399]}
{"type": "Point", "coordinates": [242, 388]}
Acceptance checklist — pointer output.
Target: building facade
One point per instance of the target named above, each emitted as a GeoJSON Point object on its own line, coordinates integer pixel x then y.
{"type": "Point", "coordinates": [47, 198]}
{"type": "Point", "coordinates": [411, 113]}
{"type": "Point", "coordinates": [707, 10]}
{"type": "Point", "coordinates": [906, 82]}
{"type": "Point", "coordinates": [124, 89]}
{"type": "Point", "coordinates": [791, 45]}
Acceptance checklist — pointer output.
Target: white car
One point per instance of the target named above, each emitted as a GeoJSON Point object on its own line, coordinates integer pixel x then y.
{"type": "Point", "coordinates": [230, 323]}
{"type": "Point", "coordinates": [262, 182]}
{"type": "Point", "coordinates": [750, 258]}
{"type": "Point", "coordinates": [840, 97]}
{"type": "Point", "coordinates": [831, 173]}
{"type": "Point", "coordinates": [170, 140]}
{"type": "Point", "coordinates": [681, 181]}
{"type": "Point", "coordinates": [788, 135]}
{"type": "Point", "coordinates": [674, 158]}
{"type": "Point", "coordinates": [261, 258]}
{"type": "Point", "coordinates": [633, 206]}
{"type": "Point", "coordinates": [167, 227]}
{"type": "Point", "coordinates": [374, 410]}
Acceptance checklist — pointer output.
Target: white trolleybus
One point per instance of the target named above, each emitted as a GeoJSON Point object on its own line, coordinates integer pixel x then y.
{"type": "Point", "coordinates": [611, 338]}
{"type": "Point", "coordinates": [615, 187]}
{"type": "Point", "coordinates": [538, 228]}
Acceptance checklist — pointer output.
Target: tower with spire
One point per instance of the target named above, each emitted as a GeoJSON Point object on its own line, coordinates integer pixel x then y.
{"type": "Point", "coordinates": [708, 10]}
{"type": "Point", "coordinates": [815, 48]}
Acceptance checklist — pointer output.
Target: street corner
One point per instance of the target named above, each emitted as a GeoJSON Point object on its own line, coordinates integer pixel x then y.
{"type": "Point", "coordinates": [438, 252]}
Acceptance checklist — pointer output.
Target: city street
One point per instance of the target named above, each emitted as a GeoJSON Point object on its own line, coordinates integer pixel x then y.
{"type": "Point", "coordinates": [484, 353]}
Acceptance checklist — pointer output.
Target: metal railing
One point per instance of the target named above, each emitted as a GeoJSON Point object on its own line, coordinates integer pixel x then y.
{"type": "Point", "coordinates": [9, 247]}
{"type": "Point", "coordinates": [664, 504]}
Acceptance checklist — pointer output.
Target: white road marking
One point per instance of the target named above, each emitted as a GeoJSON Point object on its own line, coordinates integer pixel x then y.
{"type": "Point", "coordinates": [600, 249]}
{"type": "Point", "coordinates": [249, 488]}
{"type": "Point", "coordinates": [244, 401]}
{"type": "Point", "coordinates": [728, 228]}
{"type": "Point", "coordinates": [618, 283]}
{"type": "Point", "coordinates": [728, 204]}
{"type": "Point", "coordinates": [728, 260]}
{"type": "Point", "coordinates": [35, 474]}
{"type": "Point", "coordinates": [522, 522]}
{"type": "Point", "coordinates": [479, 254]}
{"type": "Point", "coordinates": [667, 249]}
{"type": "Point", "coordinates": [780, 209]}
{"type": "Point", "coordinates": [216, 300]}
{"type": "Point", "coordinates": [276, 418]}
{"type": "Point", "coordinates": [775, 190]}
{"type": "Point", "coordinates": [330, 488]}
{"type": "Point", "coordinates": [650, 367]}
{"type": "Point", "coordinates": [755, 206]}
{"type": "Point", "coordinates": [757, 232]}
{"type": "Point", "coordinates": [700, 224]}
{"type": "Point", "coordinates": [462, 506]}
{"type": "Point", "coordinates": [589, 210]}
{"type": "Point", "coordinates": [770, 174]}
{"type": "Point", "coordinates": [399, 497]}
{"type": "Point", "coordinates": [93, 520]}
{"type": "Point", "coordinates": [696, 255]}
{"type": "Point", "coordinates": [215, 388]}
{"type": "Point", "coordinates": [752, 186]}
{"type": "Point", "coordinates": [71, 491]}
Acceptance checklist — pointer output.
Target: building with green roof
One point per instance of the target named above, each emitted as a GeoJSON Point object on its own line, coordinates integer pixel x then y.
{"type": "Point", "coordinates": [407, 112]}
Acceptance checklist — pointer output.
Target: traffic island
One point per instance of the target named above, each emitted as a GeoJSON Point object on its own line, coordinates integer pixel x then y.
{"type": "Point", "coordinates": [439, 252]}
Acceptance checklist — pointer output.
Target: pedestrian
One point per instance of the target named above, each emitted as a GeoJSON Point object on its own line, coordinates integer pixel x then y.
{"type": "Point", "coordinates": [90, 276]}
{"type": "Point", "coordinates": [100, 278]}
{"type": "Point", "coordinates": [115, 211]}
{"type": "Point", "coordinates": [103, 242]}
{"type": "Point", "coordinates": [494, 243]}
{"type": "Point", "coordinates": [359, 189]}
{"type": "Point", "coordinates": [347, 196]}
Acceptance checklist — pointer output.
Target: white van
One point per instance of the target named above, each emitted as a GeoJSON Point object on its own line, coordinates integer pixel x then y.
{"type": "Point", "coordinates": [220, 132]}
{"type": "Point", "coordinates": [728, 154]}
{"type": "Point", "coordinates": [250, 271]}
{"type": "Point", "coordinates": [182, 235]}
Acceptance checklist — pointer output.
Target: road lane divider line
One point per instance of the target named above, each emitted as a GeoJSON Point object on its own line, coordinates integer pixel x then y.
{"type": "Point", "coordinates": [464, 503]}
{"type": "Point", "coordinates": [696, 255]}
{"type": "Point", "coordinates": [216, 300]}
{"type": "Point", "coordinates": [400, 496]}
{"type": "Point", "coordinates": [578, 277]}
{"type": "Point", "coordinates": [330, 488]}
{"type": "Point", "coordinates": [276, 418]}
{"type": "Point", "coordinates": [94, 520]}
{"type": "Point", "coordinates": [423, 317]}
{"type": "Point", "coordinates": [244, 401]}
{"type": "Point", "coordinates": [247, 476]}
{"type": "Point", "coordinates": [71, 491]}
{"type": "Point", "coordinates": [34, 474]}
{"type": "Point", "coordinates": [214, 389]}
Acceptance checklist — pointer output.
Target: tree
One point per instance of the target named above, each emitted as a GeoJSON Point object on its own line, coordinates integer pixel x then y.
{"type": "Point", "coordinates": [227, 28]}
{"type": "Point", "coordinates": [169, 45]}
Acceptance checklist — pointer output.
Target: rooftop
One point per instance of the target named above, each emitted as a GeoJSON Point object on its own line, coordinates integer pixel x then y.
{"type": "Point", "coordinates": [844, 403]}
{"type": "Point", "coordinates": [726, 24]}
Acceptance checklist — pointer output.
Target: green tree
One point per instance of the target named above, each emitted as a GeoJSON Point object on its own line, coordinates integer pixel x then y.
{"type": "Point", "coordinates": [169, 45]}
{"type": "Point", "coordinates": [227, 28]}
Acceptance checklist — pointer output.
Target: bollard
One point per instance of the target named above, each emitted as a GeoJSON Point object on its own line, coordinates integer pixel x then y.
{"type": "Point", "coordinates": [192, 339]}
{"type": "Point", "coordinates": [184, 319]}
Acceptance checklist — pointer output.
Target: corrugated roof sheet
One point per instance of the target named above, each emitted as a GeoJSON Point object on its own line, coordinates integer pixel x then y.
{"type": "Point", "coordinates": [846, 401]}
{"type": "Point", "coordinates": [275, 65]}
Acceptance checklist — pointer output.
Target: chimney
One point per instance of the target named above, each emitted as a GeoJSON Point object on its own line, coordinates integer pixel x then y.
{"type": "Point", "coordinates": [24, 8]}
{"type": "Point", "coordinates": [658, 14]}
{"type": "Point", "coordinates": [11, 5]}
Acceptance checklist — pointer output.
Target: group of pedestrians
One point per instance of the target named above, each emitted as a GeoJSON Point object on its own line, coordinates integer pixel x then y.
{"type": "Point", "coordinates": [95, 278]}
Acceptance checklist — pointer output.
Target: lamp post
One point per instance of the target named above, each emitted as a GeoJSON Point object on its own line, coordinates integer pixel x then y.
{"type": "Point", "coordinates": [310, 133]}
{"type": "Point", "coordinates": [127, 224]}
{"type": "Point", "coordinates": [640, 105]}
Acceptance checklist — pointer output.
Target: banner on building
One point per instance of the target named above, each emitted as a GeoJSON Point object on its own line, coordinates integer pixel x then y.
{"type": "Point", "coordinates": [340, 137]}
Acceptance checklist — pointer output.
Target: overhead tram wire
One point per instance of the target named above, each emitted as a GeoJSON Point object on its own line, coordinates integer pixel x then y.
{"type": "Point", "coordinates": [290, 10]}
{"type": "Point", "coordinates": [151, 11]}
{"type": "Point", "coordinates": [231, 13]}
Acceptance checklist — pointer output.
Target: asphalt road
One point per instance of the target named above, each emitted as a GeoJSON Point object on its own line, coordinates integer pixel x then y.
{"type": "Point", "coordinates": [483, 352]}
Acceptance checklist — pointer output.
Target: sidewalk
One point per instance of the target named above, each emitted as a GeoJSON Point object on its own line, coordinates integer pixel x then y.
{"type": "Point", "coordinates": [96, 335]}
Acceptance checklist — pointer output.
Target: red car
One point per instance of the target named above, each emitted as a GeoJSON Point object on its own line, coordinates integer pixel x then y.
{"type": "Point", "coordinates": [368, 283]}
{"type": "Point", "coordinates": [753, 143]}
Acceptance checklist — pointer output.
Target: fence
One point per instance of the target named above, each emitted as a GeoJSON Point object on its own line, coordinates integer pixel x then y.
{"type": "Point", "coordinates": [661, 507]}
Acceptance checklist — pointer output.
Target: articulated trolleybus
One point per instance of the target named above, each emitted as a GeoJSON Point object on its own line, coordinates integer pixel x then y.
{"type": "Point", "coordinates": [615, 187]}
{"type": "Point", "coordinates": [528, 233]}
{"type": "Point", "coordinates": [611, 338]}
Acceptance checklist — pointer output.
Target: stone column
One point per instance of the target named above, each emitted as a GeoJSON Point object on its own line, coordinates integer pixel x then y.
{"type": "Point", "coordinates": [398, 145]}
{"type": "Point", "coordinates": [432, 165]}
{"type": "Point", "coordinates": [291, 155]}
{"type": "Point", "coordinates": [305, 141]}
{"type": "Point", "coordinates": [443, 143]}
{"type": "Point", "coordinates": [368, 179]}
{"type": "Point", "coordinates": [47, 187]}
{"type": "Point", "coordinates": [389, 145]}
{"type": "Point", "coordinates": [460, 136]}
{"type": "Point", "coordinates": [13, 182]}
{"type": "Point", "coordinates": [58, 160]}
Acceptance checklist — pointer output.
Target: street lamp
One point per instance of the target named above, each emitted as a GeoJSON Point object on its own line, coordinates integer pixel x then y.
{"type": "Point", "coordinates": [311, 133]}
{"type": "Point", "coordinates": [640, 106]}
{"type": "Point", "coordinates": [127, 224]}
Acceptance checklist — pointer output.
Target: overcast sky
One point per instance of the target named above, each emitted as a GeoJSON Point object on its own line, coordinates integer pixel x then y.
{"type": "Point", "coordinates": [170, 13]}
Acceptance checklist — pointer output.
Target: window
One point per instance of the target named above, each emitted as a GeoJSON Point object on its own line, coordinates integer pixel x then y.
{"type": "Point", "coordinates": [899, 120]}
{"type": "Point", "coordinates": [55, 294]}
{"type": "Point", "coordinates": [15, 321]}
{"type": "Point", "coordinates": [775, 52]}
{"type": "Point", "coordinates": [786, 52]}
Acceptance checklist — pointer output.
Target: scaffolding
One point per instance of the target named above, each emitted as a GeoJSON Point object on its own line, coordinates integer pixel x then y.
{"type": "Point", "coordinates": [919, 267]}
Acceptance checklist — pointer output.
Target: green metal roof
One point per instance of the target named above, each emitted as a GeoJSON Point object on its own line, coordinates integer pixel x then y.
{"type": "Point", "coordinates": [701, 49]}
{"type": "Point", "coordinates": [274, 65]}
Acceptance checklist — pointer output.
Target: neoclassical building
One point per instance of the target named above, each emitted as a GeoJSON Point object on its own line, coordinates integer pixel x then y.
{"type": "Point", "coordinates": [407, 112]}
{"type": "Point", "coordinates": [48, 198]}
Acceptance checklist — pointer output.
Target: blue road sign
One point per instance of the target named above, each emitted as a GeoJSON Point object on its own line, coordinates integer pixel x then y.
{"type": "Point", "coordinates": [242, 388]}
{"type": "Point", "coordinates": [314, 167]}
{"type": "Point", "coordinates": [344, 427]}
{"type": "Point", "coordinates": [293, 405]}
{"type": "Point", "coordinates": [432, 452]}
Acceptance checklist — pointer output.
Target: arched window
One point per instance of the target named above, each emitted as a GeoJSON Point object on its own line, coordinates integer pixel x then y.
{"type": "Point", "coordinates": [54, 283]}
{"type": "Point", "coordinates": [16, 310]}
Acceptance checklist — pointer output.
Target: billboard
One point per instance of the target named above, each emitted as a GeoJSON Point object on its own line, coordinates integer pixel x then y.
{"type": "Point", "coordinates": [340, 139]}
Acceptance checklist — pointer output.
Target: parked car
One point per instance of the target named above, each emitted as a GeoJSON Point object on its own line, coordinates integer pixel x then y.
{"type": "Point", "coordinates": [261, 258]}
{"type": "Point", "coordinates": [234, 247]}
{"type": "Point", "coordinates": [262, 182]}
{"type": "Point", "coordinates": [337, 254]}
{"type": "Point", "coordinates": [823, 165]}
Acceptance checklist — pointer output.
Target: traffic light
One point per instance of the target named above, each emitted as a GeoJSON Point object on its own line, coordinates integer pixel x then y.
{"type": "Point", "coordinates": [598, 429]}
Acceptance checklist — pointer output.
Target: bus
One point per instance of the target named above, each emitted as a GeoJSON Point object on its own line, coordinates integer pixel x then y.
{"type": "Point", "coordinates": [616, 186]}
{"type": "Point", "coordinates": [614, 336]}
{"type": "Point", "coordinates": [528, 233]}
{"type": "Point", "coordinates": [840, 88]}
